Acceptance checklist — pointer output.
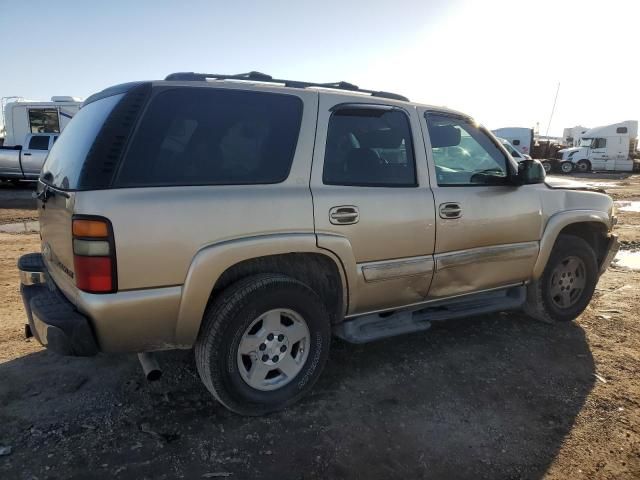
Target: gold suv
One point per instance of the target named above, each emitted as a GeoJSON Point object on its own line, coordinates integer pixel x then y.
{"type": "Point", "coordinates": [253, 218]}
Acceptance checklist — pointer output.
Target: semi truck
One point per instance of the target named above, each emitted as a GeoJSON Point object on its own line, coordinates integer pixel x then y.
{"type": "Point", "coordinates": [521, 138]}
{"type": "Point", "coordinates": [609, 147]}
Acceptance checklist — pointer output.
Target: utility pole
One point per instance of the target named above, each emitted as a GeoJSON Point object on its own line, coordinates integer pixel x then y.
{"type": "Point", "coordinates": [553, 109]}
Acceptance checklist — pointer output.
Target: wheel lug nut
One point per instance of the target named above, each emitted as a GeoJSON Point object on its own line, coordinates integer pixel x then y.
{"type": "Point", "coordinates": [283, 348]}
{"type": "Point", "coordinates": [262, 347]}
{"type": "Point", "coordinates": [280, 337]}
{"type": "Point", "coordinates": [265, 358]}
{"type": "Point", "coordinates": [276, 358]}
{"type": "Point", "coordinates": [270, 337]}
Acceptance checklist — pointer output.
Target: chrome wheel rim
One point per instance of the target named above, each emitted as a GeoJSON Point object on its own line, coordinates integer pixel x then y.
{"type": "Point", "coordinates": [273, 349]}
{"type": "Point", "coordinates": [567, 167]}
{"type": "Point", "coordinates": [568, 280]}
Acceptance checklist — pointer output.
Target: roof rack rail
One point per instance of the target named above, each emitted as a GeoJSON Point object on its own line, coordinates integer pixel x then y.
{"type": "Point", "coordinates": [263, 77]}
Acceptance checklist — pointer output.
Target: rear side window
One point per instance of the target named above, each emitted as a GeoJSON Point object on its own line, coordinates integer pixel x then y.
{"type": "Point", "coordinates": [621, 130]}
{"type": "Point", "coordinates": [205, 136]}
{"type": "Point", "coordinates": [369, 147]}
{"type": "Point", "coordinates": [65, 160]}
{"type": "Point", "coordinates": [39, 142]}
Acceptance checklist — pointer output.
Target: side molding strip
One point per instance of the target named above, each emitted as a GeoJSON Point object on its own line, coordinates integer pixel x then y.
{"type": "Point", "coordinates": [388, 269]}
{"type": "Point", "coordinates": [497, 253]}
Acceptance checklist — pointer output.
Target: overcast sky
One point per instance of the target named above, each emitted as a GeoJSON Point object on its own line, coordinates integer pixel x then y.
{"type": "Point", "coordinates": [500, 61]}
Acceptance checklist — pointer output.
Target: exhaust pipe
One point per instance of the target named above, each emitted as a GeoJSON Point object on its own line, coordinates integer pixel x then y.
{"type": "Point", "coordinates": [150, 366]}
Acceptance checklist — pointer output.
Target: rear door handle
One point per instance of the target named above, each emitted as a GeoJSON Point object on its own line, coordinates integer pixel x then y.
{"type": "Point", "coordinates": [344, 215]}
{"type": "Point", "coordinates": [450, 210]}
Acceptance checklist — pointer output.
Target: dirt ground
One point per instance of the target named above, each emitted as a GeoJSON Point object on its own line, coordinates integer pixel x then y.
{"type": "Point", "coordinates": [497, 397]}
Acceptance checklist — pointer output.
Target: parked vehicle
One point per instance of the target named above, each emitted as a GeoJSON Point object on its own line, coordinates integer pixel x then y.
{"type": "Point", "coordinates": [252, 218]}
{"type": "Point", "coordinates": [18, 163]}
{"type": "Point", "coordinates": [22, 118]}
{"type": "Point", "coordinates": [520, 138]}
{"type": "Point", "coordinates": [514, 152]}
{"type": "Point", "coordinates": [610, 147]}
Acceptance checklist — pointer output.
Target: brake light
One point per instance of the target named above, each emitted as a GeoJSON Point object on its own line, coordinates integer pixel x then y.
{"type": "Point", "coordinates": [94, 256]}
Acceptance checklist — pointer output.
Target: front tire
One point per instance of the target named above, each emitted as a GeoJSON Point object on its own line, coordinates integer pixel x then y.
{"type": "Point", "coordinates": [566, 167]}
{"type": "Point", "coordinates": [567, 284]}
{"type": "Point", "coordinates": [263, 344]}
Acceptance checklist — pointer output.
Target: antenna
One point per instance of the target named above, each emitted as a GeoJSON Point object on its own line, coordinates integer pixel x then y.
{"type": "Point", "coordinates": [553, 109]}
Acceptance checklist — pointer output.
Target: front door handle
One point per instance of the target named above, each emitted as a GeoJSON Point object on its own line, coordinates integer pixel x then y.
{"type": "Point", "coordinates": [26, 154]}
{"type": "Point", "coordinates": [450, 210]}
{"type": "Point", "coordinates": [344, 215]}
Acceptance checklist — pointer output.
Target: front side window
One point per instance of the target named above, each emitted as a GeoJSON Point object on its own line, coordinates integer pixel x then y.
{"type": "Point", "coordinates": [206, 136]}
{"type": "Point", "coordinates": [369, 147]}
{"type": "Point", "coordinates": [586, 142]}
{"type": "Point", "coordinates": [599, 143]}
{"type": "Point", "coordinates": [44, 120]}
{"type": "Point", "coordinates": [39, 142]}
{"type": "Point", "coordinates": [463, 153]}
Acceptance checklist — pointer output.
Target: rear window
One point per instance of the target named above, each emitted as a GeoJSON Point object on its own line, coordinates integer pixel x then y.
{"type": "Point", "coordinates": [205, 136]}
{"type": "Point", "coordinates": [65, 160]}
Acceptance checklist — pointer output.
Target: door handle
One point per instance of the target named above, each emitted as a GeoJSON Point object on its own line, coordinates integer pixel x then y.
{"type": "Point", "coordinates": [26, 154]}
{"type": "Point", "coordinates": [344, 215]}
{"type": "Point", "coordinates": [450, 210]}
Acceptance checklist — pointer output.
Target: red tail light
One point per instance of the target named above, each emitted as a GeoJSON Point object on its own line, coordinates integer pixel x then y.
{"type": "Point", "coordinates": [94, 255]}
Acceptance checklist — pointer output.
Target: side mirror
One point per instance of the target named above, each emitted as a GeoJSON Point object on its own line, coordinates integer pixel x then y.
{"type": "Point", "coordinates": [530, 172]}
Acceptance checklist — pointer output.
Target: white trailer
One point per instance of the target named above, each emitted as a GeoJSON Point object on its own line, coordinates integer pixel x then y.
{"type": "Point", "coordinates": [520, 138]}
{"type": "Point", "coordinates": [610, 147]}
{"type": "Point", "coordinates": [23, 117]}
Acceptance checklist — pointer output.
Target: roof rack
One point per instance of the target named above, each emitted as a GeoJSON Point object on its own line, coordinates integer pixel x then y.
{"type": "Point", "coordinates": [262, 77]}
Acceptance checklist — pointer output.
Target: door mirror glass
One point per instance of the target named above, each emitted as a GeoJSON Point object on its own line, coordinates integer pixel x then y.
{"type": "Point", "coordinates": [530, 172]}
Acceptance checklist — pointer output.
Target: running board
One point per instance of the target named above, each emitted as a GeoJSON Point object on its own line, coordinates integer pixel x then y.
{"type": "Point", "coordinates": [376, 326]}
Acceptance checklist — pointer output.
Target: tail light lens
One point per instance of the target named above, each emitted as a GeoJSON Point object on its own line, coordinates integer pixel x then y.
{"type": "Point", "coordinates": [94, 255]}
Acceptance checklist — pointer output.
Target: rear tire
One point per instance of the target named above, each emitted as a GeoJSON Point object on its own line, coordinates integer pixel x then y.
{"type": "Point", "coordinates": [583, 166]}
{"type": "Point", "coordinates": [566, 167]}
{"type": "Point", "coordinates": [263, 344]}
{"type": "Point", "coordinates": [567, 284]}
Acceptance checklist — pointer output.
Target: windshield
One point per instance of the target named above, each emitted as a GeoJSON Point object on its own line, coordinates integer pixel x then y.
{"type": "Point", "coordinates": [586, 142]}
{"type": "Point", "coordinates": [64, 163]}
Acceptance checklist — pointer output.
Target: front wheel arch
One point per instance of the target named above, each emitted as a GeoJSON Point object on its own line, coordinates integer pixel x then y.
{"type": "Point", "coordinates": [592, 225]}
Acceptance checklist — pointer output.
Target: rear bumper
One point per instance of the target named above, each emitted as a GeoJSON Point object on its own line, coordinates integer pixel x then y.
{"type": "Point", "coordinates": [612, 250]}
{"type": "Point", "coordinates": [53, 320]}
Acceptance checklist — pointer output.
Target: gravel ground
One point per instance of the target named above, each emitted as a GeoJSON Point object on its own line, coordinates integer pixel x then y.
{"type": "Point", "coordinates": [497, 396]}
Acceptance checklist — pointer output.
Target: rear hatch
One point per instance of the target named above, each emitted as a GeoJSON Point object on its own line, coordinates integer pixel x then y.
{"type": "Point", "coordinates": [82, 159]}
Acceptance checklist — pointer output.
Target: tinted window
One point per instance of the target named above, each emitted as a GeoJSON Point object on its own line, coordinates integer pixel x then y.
{"type": "Point", "coordinates": [39, 142]}
{"type": "Point", "coordinates": [205, 136]}
{"type": "Point", "coordinates": [65, 160]}
{"type": "Point", "coordinates": [463, 153]}
{"type": "Point", "coordinates": [621, 130]}
{"type": "Point", "coordinates": [599, 143]}
{"type": "Point", "coordinates": [43, 120]}
{"type": "Point", "coordinates": [516, 142]}
{"type": "Point", "coordinates": [367, 147]}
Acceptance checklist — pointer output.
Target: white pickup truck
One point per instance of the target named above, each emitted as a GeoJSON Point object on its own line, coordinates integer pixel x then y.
{"type": "Point", "coordinates": [24, 162]}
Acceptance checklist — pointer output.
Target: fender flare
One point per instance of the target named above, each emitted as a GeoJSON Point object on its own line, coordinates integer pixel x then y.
{"type": "Point", "coordinates": [210, 262]}
{"type": "Point", "coordinates": [554, 226]}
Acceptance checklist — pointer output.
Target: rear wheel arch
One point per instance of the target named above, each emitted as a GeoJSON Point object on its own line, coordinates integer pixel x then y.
{"type": "Point", "coordinates": [317, 270]}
